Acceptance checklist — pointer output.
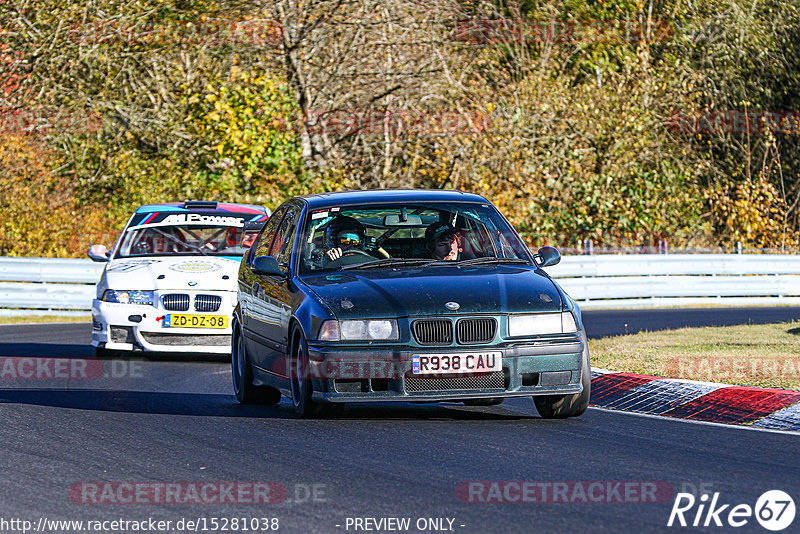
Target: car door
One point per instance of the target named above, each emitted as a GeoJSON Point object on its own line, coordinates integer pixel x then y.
{"type": "Point", "coordinates": [277, 297]}
{"type": "Point", "coordinates": [250, 288]}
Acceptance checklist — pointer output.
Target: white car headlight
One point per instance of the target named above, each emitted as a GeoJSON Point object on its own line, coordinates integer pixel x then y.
{"type": "Point", "coordinates": [541, 323]}
{"type": "Point", "coordinates": [352, 330]}
{"type": "Point", "coordinates": [129, 296]}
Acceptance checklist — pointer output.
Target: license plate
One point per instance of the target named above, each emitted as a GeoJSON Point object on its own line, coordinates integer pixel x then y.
{"type": "Point", "coordinates": [195, 321]}
{"type": "Point", "coordinates": [468, 362]}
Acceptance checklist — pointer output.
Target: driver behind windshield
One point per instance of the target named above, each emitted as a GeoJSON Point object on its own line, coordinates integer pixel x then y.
{"type": "Point", "coordinates": [342, 235]}
{"type": "Point", "coordinates": [441, 239]}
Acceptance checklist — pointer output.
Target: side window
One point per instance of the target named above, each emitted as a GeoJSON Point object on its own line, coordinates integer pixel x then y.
{"type": "Point", "coordinates": [268, 233]}
{"type": "Point", "coordinates": [282, 246]}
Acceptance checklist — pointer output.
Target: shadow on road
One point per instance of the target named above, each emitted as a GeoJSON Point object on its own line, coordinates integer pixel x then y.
{"type": "Point", "coordinates": [430, 412]}
{"type": "Point", "coordinates": [45, 350]}
{"type": "Point", "coordinates": [200, 404]}
{"type": "Point", "coordinates": [71, 340]}
{"type": "Point", "coordinates": [63, 350]}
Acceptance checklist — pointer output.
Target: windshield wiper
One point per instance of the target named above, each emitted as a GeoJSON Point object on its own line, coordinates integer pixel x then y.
{"type": "Point", "coordinates": [390, 262]}
{"type": "Point", "coordinates": [492, 260]}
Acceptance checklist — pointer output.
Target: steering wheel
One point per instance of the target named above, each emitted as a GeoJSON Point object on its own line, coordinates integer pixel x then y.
{"type": "Point", "coordinates": [352, 256]}
{"type": "Point", "coordinates": [355, 251]}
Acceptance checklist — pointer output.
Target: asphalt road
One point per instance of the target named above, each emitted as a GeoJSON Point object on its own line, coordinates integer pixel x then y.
{"type": "Point", "coordinates": [169, 421]}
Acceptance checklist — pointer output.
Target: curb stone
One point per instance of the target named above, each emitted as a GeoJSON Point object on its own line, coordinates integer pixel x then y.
{"type": "Point", "coordinates": [776, 409]}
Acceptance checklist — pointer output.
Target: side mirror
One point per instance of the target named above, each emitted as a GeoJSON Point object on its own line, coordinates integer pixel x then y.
{"type": "Point", "coordinates": [546, 256]}
{"type": "Point", "coordinates": [98, 253]}
{"type": "Point", "coordinates": [267, 266]}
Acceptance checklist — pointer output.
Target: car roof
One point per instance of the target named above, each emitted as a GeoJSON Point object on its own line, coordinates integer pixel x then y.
{"type": "Point", "coordinates": [371, 196]}
{"type": "Point", "coordinates": [221, 206]}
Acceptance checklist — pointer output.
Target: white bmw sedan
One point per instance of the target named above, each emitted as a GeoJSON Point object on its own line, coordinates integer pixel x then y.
{"type": "Point", "coordinates": [171, 280]}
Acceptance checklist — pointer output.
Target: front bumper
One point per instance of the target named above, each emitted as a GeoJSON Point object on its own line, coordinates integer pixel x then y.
{"type": "Point", "coordinates": [113, 329]}
{"type": "Point", "coordinates": [367, 374]}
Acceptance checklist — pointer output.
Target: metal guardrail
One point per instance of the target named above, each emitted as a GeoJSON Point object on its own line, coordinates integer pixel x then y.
{"type": "Point", "coordinates": [66, 286]}
{"type": "Point", "coordinates": [47, 286]}
{"type": "Point", "coordinates": [50, 270]}
{"type": "Point", "coordinates": [652, 280]}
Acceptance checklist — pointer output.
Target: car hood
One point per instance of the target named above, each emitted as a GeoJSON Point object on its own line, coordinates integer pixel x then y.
{"type": "Point", "coordinates": [414, 292]}
{"type": "Point", "coordinates": [171, 273]}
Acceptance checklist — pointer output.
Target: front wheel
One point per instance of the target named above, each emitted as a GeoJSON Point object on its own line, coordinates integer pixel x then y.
{"type": "Point", "coordinates": [561, 406]}
{"type": "Point", "coordinates": [300, 382]}
{"type": "Point", "coordinates": [242, 372]}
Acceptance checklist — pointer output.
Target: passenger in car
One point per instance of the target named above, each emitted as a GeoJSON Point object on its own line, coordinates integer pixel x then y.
{"type": "Point", "coordinates": [441, 239]}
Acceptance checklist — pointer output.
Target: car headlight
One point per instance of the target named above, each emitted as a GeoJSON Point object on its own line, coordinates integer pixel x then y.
{"type": "Point", "coordinates": [541, 323]}
{"type": "Point", "coordinates": [129, 296]}
{"type": "Point", "coordinates": [357, 330]}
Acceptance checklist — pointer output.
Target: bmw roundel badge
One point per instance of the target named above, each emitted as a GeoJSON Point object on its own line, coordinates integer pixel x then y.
{"type": "Point", "coordinates": [452, 306]}
{"type": "Point", "coordinates": [192, 284]}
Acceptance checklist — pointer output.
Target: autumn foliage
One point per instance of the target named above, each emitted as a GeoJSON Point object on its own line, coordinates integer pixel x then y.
{"type": "Point", "coordinates": [608, 121]}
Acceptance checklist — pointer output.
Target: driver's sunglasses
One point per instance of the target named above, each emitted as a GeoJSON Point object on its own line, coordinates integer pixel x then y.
{"type": "Point", "coordinates": [349, 240]}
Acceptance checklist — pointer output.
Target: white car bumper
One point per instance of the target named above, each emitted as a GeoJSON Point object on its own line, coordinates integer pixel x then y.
{"type": "Point", "coordinates": [136, 327]}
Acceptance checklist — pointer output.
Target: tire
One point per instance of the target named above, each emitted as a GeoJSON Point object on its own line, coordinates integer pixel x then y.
{"type": "Point", "coordinates": [242, 373]}
{"type": "Point", "coordinates": [304, 405]}
{"type": "Point", "coordinates": [483, 402]}
{"type": "Point", "coordinates": [561, 406]}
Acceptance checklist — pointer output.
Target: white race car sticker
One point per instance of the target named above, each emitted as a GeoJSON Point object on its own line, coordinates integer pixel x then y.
{"type": "Point", "coordinates": [128, 266]}
{"type": "Point", "coordinates": [192, 218]}
{"type": "Point", "coordinates": [195, 267]}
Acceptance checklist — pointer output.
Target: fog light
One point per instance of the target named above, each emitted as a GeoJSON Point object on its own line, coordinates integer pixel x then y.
{"type": "Point", "coordinates": [556, 378]}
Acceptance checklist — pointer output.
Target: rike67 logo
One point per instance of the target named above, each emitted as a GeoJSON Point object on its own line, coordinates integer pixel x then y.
{"type": "Point", "coordinates": [774, 510]}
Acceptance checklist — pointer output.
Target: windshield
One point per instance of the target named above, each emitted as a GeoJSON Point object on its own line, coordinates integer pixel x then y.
{"type": "Point", "coordinates": [197, 233]}
{"type": "Point", "coordinates": [407, 234]}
